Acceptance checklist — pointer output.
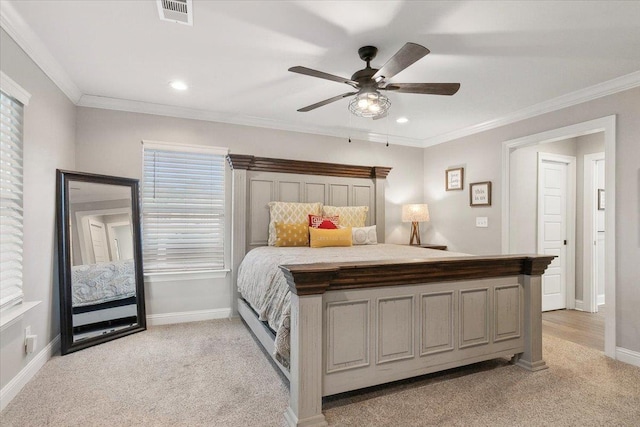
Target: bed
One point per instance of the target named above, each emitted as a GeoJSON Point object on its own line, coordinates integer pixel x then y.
{"type": "Point", "coordinates": [103, 292]}
{"type": "Point", "coordinates": [358, 322]}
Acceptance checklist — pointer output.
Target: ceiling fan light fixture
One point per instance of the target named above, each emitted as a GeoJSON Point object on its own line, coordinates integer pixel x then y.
{"type": "Point", "coordinates": [369, 104]}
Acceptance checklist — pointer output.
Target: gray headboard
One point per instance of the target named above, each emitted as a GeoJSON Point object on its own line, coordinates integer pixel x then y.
{"type": "Point", "coordinates": [260, 180]}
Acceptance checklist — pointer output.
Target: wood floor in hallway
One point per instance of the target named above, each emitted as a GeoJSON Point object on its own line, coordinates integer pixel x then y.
{"type": "Point", "coordinates": [576, 326]}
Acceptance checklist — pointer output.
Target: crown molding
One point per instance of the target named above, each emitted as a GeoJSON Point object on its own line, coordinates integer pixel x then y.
{"type": "Point", "coordinates": [103, 102]}
{"type": "Point", "coordinates": [11, 88]}
{"type": "Point", "coordinates": [23, 35]}
{"type": "Point", "coordinates": [609, 87]}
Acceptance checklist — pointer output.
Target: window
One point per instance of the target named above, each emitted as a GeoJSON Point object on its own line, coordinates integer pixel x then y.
{"type": "Point", "coordinates": [11, 119]}
{"type": "Point", "coordinates": [183, 205]}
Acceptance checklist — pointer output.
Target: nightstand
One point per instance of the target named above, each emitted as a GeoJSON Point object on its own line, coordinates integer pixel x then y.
{"type": "Point", "coordinates": [432, 246]}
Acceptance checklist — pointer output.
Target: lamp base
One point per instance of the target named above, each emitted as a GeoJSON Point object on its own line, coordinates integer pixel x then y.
{"type": "Point", "coordinates": [415, 233]}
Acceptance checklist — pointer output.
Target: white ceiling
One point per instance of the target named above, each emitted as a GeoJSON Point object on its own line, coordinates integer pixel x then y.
{"type": "Point", "coordinates": [508, 57]}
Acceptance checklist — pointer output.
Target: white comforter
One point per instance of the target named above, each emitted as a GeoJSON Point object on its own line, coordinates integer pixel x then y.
{"type": "Point", "coordinates": [262, 284]}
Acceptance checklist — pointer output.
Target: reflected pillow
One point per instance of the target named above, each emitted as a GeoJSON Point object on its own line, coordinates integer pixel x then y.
{"type": "Point", "coordinates": [322, 238]}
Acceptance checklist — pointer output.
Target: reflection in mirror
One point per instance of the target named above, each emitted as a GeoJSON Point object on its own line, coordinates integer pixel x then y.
{"type": "Point", "coordinates": [101, 291]}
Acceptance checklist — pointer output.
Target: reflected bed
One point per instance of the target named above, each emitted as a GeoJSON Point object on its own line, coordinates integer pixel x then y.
{"type": "Point", "coordinates": [103, 297]}
{"type": "Point", "coordinates": [102, 282]}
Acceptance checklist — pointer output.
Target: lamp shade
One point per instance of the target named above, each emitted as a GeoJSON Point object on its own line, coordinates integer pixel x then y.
{"type": "Point", "coordinates": [415, 213]}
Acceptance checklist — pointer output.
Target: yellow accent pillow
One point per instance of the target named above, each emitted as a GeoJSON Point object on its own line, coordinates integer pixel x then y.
{"type": "Point", "coordinates": [350, 216]}
{"type": "Point", "coordinates": [292, 234]}
{"type": "Point", "coordinates": [322, 238]}
{"type": "Point", "coordinates": [290, 213]}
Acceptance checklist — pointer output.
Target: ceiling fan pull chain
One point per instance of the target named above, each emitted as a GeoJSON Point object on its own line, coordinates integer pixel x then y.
{"type": "Point", "coordinates": [387, 124]}
{"type": "Point", "coordinates": [349, 127]}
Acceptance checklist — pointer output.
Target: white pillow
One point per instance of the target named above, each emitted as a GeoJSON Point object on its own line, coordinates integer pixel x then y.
{"type": "Point", "coordinates": [364, 235]}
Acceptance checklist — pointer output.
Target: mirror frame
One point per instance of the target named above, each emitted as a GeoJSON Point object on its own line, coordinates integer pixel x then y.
{"type": "Point", "coordinates": [63, 178]}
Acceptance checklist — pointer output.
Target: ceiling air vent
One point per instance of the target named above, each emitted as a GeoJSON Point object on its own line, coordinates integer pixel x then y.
{"type": "Point", "coordinates": [180, 11]}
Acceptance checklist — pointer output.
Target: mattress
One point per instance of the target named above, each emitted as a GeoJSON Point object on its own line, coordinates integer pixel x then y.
{"type": "Point", "coordinates": [102, 282]}
{"type": "Point", "coordinates": [262, 284]}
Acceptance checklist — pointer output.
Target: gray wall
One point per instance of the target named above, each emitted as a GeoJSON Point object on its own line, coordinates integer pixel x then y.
{"type": "Point", "coordinates": [49, 137]}
{"type": "Point", "coordinates": [109, 142]}
{"type": "Point", "coordinates": [524, 194]}
{"type": "Point", "coordinates": [453, 220]}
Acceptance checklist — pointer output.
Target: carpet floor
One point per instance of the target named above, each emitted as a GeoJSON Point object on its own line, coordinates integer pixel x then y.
{"type": "Point", "coordinates": [214, 373]}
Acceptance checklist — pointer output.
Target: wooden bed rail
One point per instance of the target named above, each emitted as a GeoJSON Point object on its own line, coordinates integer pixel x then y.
{"type": "Point", "coordinates": [312, 279]}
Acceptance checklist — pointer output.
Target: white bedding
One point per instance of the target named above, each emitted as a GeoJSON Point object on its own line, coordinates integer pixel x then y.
{"type": "Point", "coordinates": [102, 282]}
{"type": "Point", "coordinates": [262, 284]}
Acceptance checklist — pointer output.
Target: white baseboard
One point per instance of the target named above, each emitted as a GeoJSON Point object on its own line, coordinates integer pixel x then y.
{"type": "Point", "coordinates": [14, 386]}
{"type": "Point", "coordinates": [600, 299]}
{"type": "Point", "coordinates": [187, 316]}
{"type": "Point", "coordinates": [628, 356]}
{"type": "Point", "coordinates": [579, 305]}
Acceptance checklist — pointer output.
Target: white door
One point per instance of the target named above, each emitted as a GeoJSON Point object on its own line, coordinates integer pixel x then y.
{"type": "Point", "coordinates": [98, 241]}
{"type": "Point", "coordinates": [554, 196]}
{"type": "Point", "coordinates": [600, 234]}
{"type": "Point", "coordinates": [594, 232]}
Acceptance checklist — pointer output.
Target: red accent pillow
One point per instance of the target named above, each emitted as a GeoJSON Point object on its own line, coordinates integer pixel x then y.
{"type": "Point", "coordinates": [317, 221]}
{"type": "Point", "coordinates": [328, 225]}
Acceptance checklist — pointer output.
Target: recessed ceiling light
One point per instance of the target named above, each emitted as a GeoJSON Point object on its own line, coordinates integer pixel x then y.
{"type": "Point", "coordinates": [402, 120]}
{"type": "Point", "coordinates": [178, 85]}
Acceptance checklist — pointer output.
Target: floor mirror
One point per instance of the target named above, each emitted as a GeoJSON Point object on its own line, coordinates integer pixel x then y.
{"type": "Point", "coordinates": [100, 259]}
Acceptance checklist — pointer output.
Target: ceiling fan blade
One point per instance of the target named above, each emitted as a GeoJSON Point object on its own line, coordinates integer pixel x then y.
{"type": "Point", "coordinates": [407, 55]}
{"type": "Point", "coordinates": [315, 73]}
{"type": "Point", "coordinates": [424, 88]}
{"type": "Point", "coordinates": [325, 102]}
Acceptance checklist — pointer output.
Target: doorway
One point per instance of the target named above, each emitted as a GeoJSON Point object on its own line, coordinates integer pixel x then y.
{"type": "Point", "coordinates": [606, 125]}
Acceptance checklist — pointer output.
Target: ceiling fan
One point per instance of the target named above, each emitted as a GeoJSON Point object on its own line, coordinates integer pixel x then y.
{"type": "Point", "coordinates": [368, 82]}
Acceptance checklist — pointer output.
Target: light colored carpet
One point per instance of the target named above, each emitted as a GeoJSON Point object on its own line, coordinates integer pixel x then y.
{"type": "Point", "coordinates": [214, 374]}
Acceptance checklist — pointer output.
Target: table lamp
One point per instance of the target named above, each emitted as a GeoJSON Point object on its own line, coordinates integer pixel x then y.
{"type": "Point", "coordinates": [415, 214]}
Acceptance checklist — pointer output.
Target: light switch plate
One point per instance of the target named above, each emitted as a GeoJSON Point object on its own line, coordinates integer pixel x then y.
{"type": "Point", "coordinates": [482, 221]}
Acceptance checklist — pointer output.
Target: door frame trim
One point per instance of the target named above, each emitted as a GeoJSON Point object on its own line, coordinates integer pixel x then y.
{"type": "Point", "coordinates": [570, 222]}
{"type": "Point", "coordinates": [608, 126]}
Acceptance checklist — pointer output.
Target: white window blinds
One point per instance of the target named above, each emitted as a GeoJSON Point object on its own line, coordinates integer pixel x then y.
{"type": "Point", "coordinates": [183, 196]}
{"type": "Point", "coordinates": [11, 117]}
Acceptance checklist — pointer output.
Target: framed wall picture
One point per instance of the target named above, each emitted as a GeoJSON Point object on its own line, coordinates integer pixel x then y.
{"type": "Point", "coordinates": [600, 199]}
{"type": "Point", "coordinates": [480, 193]}
{"type": "Point", "coordinates": [454, 179]}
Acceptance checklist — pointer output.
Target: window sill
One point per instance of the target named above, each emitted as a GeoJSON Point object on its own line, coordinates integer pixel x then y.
{"type": "Point", "coordinates": [11, 315]}
{"type": "Point", "coordinates": [185, 275]}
